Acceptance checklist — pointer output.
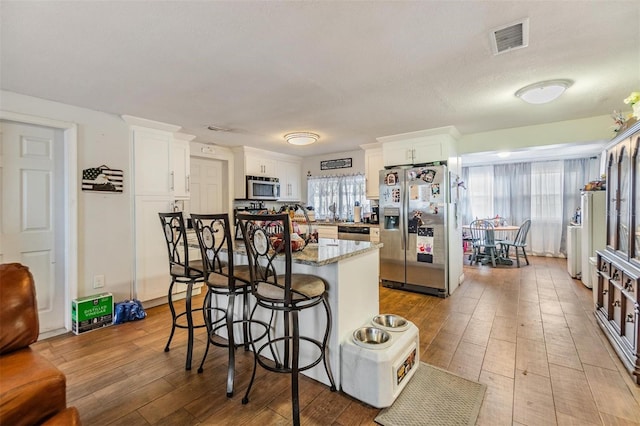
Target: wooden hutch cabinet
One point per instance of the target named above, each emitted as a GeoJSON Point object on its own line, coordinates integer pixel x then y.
{"type": "Point", "coordinates": [617, 291]}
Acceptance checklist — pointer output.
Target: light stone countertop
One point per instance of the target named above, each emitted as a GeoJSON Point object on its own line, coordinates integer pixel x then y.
{"type": "Point", "coordinates": [350, 224]}
{"type": "Point", "coordinates": [324, 252]}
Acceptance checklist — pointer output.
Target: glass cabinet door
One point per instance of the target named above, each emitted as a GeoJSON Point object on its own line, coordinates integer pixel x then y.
{"type": "Point", "coordinates": [612, 205]}
{"type": "Point", "coordinates": [635, 191]}
{"type": "Point", "coordinates": [623, 201]}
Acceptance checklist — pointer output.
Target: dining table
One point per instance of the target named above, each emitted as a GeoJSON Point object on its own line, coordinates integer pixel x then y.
{"type": "Point", "coordinates": [502, 233]}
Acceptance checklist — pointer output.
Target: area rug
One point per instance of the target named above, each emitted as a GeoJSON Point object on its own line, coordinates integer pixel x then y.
{"type": "Point", "coordinates": [435, 397]}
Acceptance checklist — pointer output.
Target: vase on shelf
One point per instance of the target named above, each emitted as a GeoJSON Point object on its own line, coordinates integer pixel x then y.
{"type": "Point", "coordinates": [627, 124]}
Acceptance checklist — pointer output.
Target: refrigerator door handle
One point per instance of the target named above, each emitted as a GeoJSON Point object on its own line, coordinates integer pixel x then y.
{"type": "Point", "coordinates": [404, 202]}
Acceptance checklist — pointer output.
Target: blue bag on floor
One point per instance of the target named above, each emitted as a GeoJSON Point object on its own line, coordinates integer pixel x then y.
{"type": "Point", "coordinates": [129, 310]}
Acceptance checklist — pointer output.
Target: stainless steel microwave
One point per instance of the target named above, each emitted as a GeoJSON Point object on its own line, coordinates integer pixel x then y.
{"type": "Point", "coordinates": [263, 188]}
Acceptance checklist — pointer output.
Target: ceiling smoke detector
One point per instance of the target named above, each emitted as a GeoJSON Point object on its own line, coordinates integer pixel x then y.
{"type": "Point", "coordinates": [510, 37]}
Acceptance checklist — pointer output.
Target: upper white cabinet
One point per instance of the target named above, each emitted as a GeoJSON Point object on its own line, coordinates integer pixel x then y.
{"type": "Point", "coordinates": [152, 151]}
{"type": "Point", "coordinates": [255, 165]}
{"type": "Point", "coordinates": [373, 163]}
{"type": "Point", "coordinates": [425, 146]}
{"type": "Point", "coordinates": [258, 162]}
{"type": "Point", "coordinates": [181, 165]}
{"type": "Point", "coordinates": [290, 178]}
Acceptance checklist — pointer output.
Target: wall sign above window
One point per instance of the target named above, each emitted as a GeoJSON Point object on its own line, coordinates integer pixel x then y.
{"type": "Point", "coordinates": [341, 163]}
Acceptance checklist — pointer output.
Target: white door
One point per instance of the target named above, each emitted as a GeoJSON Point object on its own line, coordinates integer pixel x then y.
{"type": "Point", "coordinates": [206, 186]}
{"type": "Point", "coordinates": [31, 178]}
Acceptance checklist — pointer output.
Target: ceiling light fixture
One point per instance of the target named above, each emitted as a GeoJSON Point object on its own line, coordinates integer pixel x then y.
{"type": "Point", "coordinates": [301, 138]}
{"type": "Point", "coordinates": [544, 91]}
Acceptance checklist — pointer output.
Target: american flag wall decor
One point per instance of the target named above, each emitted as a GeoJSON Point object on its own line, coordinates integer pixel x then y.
{"type": "Point", "coordinates": [102, 179]}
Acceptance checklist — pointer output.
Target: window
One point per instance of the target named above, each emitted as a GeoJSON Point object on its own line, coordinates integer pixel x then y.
{"type": "Point", "coordinates": [344, 192]}
{"type": "Point", "coordinates": [547, 192]}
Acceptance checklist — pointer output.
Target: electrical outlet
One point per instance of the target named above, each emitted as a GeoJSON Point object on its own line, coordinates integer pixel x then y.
{"type": "Point", "coordinates": [98, 281]}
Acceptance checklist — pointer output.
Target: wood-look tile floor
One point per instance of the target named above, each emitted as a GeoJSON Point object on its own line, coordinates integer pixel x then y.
{"type": "Point", "coordinates": [529, 334]}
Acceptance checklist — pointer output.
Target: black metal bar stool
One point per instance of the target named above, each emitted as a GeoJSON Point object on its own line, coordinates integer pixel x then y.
{"type": "Point", "coordinates": [267, 239]}
{"type": "Point", "coordinates": [181, 271]}
{"type": "Point", "coordinates": [223, 277]}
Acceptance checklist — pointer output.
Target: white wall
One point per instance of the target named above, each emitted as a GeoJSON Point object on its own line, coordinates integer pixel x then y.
{"type": "Point", "coordinates": [105, 232]}
{"type": "Point", "coordinates": [312, 165]}
{"type": "Point", "coordinates": [561, 132]}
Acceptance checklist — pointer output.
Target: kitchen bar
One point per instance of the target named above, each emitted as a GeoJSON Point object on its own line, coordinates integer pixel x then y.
{"type": "Point", "coordinates": [348, 267]}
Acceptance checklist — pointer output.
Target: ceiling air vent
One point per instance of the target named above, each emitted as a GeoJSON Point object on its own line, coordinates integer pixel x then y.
{"type": "Point", "coordinates": [510, 37]}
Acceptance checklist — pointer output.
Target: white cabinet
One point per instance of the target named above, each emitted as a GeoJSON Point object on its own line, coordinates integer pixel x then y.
{"type": "Point", "coordinates": [425, 146]}
{"type": "Point", "coordinates": [289, 175]}
{"type": "Point", "coordinates": [161, 163]}
{"type": "Point", "coordinates": [152, 262]}
{"type": "Point", "coordinates": [328, 231]}
{"type": "Point", "coordinates": [374, 234]}
{"type": "Point", "coordinates": [257, 162]}
{"type": "Point", "coordinates": [411, 152]}
{"type": "Point", "coordinates": [152, 161]}
{"type": "Point", "coordinates": [256, 165]}
{"type": "Point", "coordinates": [373, 162]}
{"type": "Point", "coordinates": [181, 168]}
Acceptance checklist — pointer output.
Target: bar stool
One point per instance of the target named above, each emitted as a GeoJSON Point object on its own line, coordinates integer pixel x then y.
{"type": "Point", "coordinates": [224, 278]}
{"type": "Point", "coordinates": [268, 239]}
{"type": "Point", "coordinates": [181, 271]}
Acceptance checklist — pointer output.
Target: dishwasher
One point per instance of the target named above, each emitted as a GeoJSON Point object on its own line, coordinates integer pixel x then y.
{"type": "Point", "coordinates": [354, 233]}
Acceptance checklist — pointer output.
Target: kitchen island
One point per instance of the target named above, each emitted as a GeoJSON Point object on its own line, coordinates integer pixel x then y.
{"type": "Point", "coordinates": [351, 270]}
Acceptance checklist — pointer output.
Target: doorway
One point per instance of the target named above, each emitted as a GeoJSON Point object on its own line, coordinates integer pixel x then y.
{"type": "Point", "coordinates": [207, 187]}
{"type": "Point", "coordinates": [37, 210]}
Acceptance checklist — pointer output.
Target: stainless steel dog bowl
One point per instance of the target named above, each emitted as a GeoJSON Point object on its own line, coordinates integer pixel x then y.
{"type": "Point", "coordinates": [390, 322]}
{"type": "Point", "coordinates": [371, 338]}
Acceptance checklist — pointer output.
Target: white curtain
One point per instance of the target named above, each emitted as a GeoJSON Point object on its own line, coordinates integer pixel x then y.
{"type": "Point", "coordinates": [343, 190]}
{"type": "Point", "coordinates": [546, 192]}
{"type": "Point", "coordinates": [547, 184]}
{"type": "Point", "coordinates": [512, 186]}
{"type": "Point", "coordinates": [479, 193]}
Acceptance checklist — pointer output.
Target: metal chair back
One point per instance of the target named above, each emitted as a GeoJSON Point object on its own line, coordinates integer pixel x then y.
{"type": "Point", "coordinates": [267, 237]}
{"type": "Point", "coordinates": [214, 238]}
{"type": "Point", "coordinates": [175, 236]}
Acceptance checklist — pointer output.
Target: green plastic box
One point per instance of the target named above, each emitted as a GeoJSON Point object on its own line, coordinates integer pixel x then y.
{"type": "Point", "coordinates": [91, 312]}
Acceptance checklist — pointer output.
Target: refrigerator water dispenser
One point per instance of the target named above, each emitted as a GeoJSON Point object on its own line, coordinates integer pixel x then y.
{"type": "Point", "coordinates": [391, 218]}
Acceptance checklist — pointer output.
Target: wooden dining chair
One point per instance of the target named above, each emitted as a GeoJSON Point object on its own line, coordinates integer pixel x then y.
{"type": "Point", "coordinates": [519, 242]}
{"type": "Point", "coordinates": [483, 242]}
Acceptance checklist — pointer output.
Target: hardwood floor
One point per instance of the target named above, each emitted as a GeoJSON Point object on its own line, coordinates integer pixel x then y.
{"type": "Point", "coordinates": [529, 334]}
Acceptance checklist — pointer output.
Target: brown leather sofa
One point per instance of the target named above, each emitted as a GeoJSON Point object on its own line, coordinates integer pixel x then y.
{"type": "Point", "coordinates": [32, 389]}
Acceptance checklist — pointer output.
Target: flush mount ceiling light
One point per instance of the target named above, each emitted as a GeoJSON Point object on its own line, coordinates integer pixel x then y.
{"type": "Point", "coordinates": [301, 138]}
{"type": "Point", "coordinates": [544, 91]}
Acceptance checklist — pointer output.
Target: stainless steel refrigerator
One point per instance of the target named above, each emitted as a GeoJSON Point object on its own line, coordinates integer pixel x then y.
{"type": "Point", "coordinates": [413, 228]}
